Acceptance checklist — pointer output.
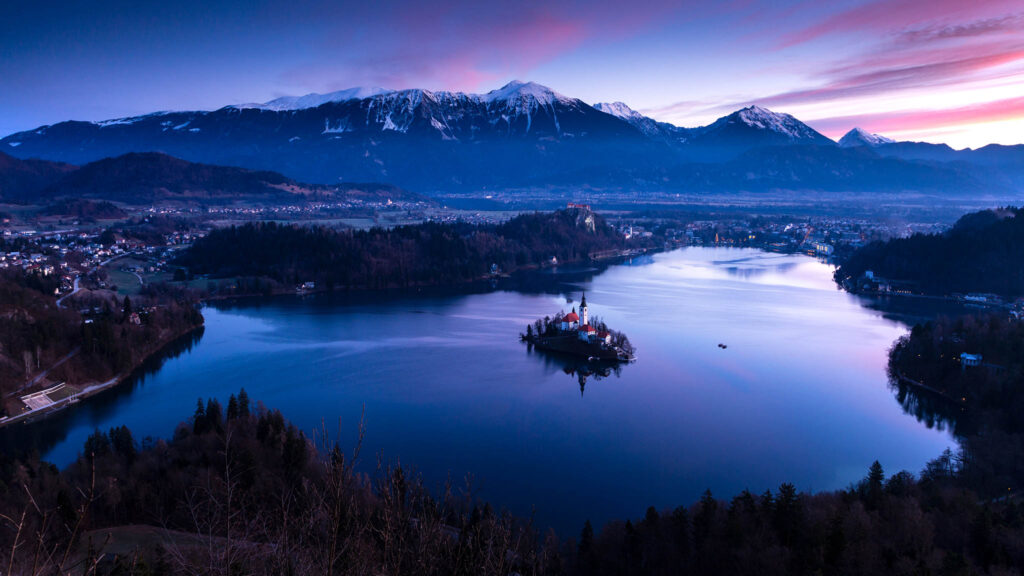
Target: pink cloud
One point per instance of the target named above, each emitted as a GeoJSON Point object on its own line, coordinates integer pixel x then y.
{"type": "Point", "coordinates": [910, 76]}
{"type": "Point", "coordinates": [882, 73]}
{"type": "Point", "coordinates": [883, 16]}
{"type": "Point", "coordinates": [890, 122]}
{"type": "Point", "coordinates": [1009, 23]}
{"type": "Point", "coordinates": [460, 44]}
{"type": "Point", "coordinates": [907, 46]}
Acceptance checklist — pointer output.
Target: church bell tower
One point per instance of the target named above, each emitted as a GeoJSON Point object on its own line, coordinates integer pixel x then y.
{"type": "Point", "coordinates": [584, 320]}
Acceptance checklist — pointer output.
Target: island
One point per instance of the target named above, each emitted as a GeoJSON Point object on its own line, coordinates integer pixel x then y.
{"type": "Point", "coordinates": [579, 335]}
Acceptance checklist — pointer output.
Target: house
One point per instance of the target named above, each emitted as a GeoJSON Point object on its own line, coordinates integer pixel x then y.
{"type": "Point", "coordinates": [587, 332]}
{"type": "Point", "coordinates": [570, 321]}
{"type": "Point", "coordinates": [970, 360]}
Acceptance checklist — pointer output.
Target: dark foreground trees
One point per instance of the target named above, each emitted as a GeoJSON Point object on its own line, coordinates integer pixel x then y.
{"type": "Point", "coordinates": [239, 490]}
{"type": "Point", "coordinates": [242, 491]}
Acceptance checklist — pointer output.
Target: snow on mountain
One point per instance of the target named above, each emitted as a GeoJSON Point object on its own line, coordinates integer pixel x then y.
{"type": "Point", "coordinates": [648, 126]}
{"type": "Point", "coordinates": [129, 120]}
{"type": "Point", "coordinates": [315, 100]}
{"type": "Point", "coordinates": [757, 117]}
{"type": "Point", "coordinates": [860, 137]}
{"type": "Point", "coordinates": [756, 122]}
{"type": "Point", "coordinates": [516, 92]}
{"type": "Point", "coordinates": [396, 110]}
{"type": "Point", "coordinates": [619, 110]}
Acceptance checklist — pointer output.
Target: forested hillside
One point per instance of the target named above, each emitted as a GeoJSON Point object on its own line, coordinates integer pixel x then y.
{"type": "Point", "coordinates": [983, 252]}
{"type": "Point", "coordinates": [419, 255]}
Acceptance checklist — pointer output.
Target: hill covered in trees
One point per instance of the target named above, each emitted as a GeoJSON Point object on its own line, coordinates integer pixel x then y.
{"type": "Point", "coordinates": [152, 177]}
{"type": "Point", "coordinates": [38, 337]}
{"type": "Point", "coordinates": [89, 210]}
{"type": "Point", "coordinates": [19, 178]}
{"type": "Point", "coordinates": [981, 253]}
{"type": "Point", "coordinates": [405, 256]}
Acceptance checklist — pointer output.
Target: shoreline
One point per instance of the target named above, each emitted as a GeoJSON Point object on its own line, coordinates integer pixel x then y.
{"type": "Point", "coordinates": [570, 345]}
{"type": "Point", "coordinates": [90, 389]}
{"type": "Point", "coordinates": [603, 259]}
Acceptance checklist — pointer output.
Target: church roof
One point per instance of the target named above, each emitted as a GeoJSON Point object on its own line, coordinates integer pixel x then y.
{"type": "Point", "coordinates": [571, 317]}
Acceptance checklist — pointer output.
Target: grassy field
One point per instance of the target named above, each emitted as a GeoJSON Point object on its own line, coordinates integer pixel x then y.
{"type": "Point", "coordinates": [127, 283]}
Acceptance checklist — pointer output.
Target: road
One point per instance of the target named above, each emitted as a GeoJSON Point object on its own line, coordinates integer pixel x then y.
{"type": "Point", "coordinates": [60, 301]}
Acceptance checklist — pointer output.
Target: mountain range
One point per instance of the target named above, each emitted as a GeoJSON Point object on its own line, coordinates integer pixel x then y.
{"type": "Point", "coordinates": [525, 135]}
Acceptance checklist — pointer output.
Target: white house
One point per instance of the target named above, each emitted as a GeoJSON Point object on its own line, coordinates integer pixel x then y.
{"type": "Point", "coordinates": [570, 321]}
{"type": "Point", "coordinates": [970, 359]}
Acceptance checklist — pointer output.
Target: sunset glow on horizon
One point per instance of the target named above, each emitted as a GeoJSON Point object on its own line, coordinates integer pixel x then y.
{"type": "Point", "coordinates": [930, 70]}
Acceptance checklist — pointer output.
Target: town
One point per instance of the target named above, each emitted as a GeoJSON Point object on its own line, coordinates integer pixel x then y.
{"type": "Point", "coordinates": [90, 253]}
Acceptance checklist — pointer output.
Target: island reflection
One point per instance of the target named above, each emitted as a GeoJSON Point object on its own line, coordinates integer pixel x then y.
{"type": "Point", "coordinates": [579, 368]}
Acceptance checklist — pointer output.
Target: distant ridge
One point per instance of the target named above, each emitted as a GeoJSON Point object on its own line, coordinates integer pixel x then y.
{"type": "Point", "coordinates": [150, 177]}
{"type": "Point", "coordinates": [18, 177]}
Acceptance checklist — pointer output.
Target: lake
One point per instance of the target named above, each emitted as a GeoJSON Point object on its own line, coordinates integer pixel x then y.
{"type": "Point", "coordinates": [798, 395]}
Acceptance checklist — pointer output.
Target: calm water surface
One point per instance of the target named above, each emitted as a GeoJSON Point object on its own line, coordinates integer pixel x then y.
{"type": "Point", "coordinates": [799, 394]}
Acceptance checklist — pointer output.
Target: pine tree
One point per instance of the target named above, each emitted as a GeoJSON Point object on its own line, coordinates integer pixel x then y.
{"type": "Point", "coordinates": [199, 424]}
{"type": "Point", "coordinates": [232, 408]}
{"type": "Point", "coordinates": [587, 554]}
{"type": "Point", "coordinates": [876, 479]}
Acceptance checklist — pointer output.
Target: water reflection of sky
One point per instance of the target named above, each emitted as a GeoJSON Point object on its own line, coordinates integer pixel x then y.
{"type": "Point", "coordinates": [798, 395]}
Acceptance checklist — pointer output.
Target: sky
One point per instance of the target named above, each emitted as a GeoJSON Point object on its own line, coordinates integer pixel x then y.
{"type": "Point", "coordinates": [929, 70]}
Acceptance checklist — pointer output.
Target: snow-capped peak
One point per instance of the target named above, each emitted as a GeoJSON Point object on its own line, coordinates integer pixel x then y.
{"type": "Point", "coordinates": [861, 137]}
{"type": "Point", "coordinates": [515, 94]}
{"type": "Point", "coordinates": [619, 110]}
{"type": "Point", "coordinates": [314, 100]}
{"type": "Point", "coordinates": [516, 91]}
{"type": "Point", "coordinates": [764, 119]}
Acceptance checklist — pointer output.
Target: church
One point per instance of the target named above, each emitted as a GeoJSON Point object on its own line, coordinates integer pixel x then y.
{"type": "Point", "coordinates": [580, 323]}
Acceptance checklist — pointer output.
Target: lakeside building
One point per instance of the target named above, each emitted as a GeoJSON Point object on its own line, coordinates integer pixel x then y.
{"type": "Point", "coordinates": [970, 360]}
